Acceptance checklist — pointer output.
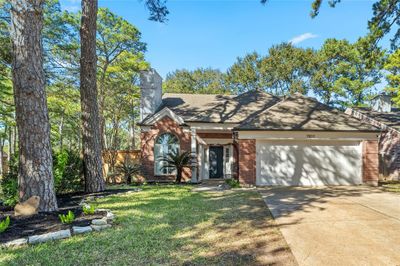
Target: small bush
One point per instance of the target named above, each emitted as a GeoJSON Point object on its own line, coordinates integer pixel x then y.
{"type": "Point", "coordinates": [9, 184]}
{"type": "Point", "coordinates": [233, 183]}
{"type": "Point", "coordinates": [129, 170]}
{"type": "Point", "coordinates": [4, 224]}
{"type": "Point", "coordinates": [68, 171]}
{"type": "Point", "coordinates": [67, 218]}
{"type": "Point", "coordinates": [88, 209]}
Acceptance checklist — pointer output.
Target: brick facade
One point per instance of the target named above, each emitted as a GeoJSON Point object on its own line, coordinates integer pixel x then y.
{"type": "Point", "coordinates": [247, 161]}
{"type": "Point", "coordinates": [389, 146]}
{"type": "Point", "coordinates": [389, 149]}
{"type": "Point", "coordinates": [164, 125]}
{"type": "Point", "coordinates": [370, 169]}
{"type": "Point", "coordinates": [244, 154]}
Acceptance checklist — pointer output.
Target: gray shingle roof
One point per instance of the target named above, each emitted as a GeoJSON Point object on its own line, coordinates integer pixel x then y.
{"type": "Point", "coordinates": [391, 119]}
{"type": "Point", "coordinates": [217, 108]}
{"type": "Point", "coordinates": [257, 110]}
{"type": "Point", "coordinates": [299, 112]}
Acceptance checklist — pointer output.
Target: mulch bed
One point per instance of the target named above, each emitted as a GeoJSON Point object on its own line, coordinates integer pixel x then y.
{"type": "Point", "coordinates": [49, 222]}
{"type": "Point", "coordinates": [43, 223]}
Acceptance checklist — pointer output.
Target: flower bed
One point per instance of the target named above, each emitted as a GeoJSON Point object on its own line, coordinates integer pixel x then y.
{"type": "Point", "coordinates": [86, 225]}
{"type": "Point", "coordinates": [24, 226]}
{"type": "Point", "coordinates": [43, 227]}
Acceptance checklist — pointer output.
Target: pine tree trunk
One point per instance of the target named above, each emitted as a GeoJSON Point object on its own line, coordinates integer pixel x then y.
{"type": "Point", "coordinates": [10, 152]}
{"type": "Point", "coordinates": [91, 135]}
{"type": "Point", "coordinates": [102, 96]}
{"type": "Point", "coordinates": [35, 174]}
{"type": "Point", "coordinates": [1, 157]}
{"type": "Point", "coordinates": [61, 131]}
{"type": "Point", "coordinates": [14, 140]}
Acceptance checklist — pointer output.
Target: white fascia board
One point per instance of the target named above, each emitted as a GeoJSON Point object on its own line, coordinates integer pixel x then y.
{"type": "Point", "coordinates": [166, 112]}
{"type": "Point", "coordinates": [145, 128]}
{"type": "Point", "coordinates": [203, 127]}
{"type": "Point", "coordinates": [301, 135]}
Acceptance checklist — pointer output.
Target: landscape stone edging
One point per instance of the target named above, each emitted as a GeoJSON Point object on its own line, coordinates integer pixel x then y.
{"type": "Point", "coordinates": [62, 234]}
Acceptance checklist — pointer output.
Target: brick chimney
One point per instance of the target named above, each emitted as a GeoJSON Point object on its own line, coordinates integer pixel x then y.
{"type": "Point", "coordinates": [150, 92]}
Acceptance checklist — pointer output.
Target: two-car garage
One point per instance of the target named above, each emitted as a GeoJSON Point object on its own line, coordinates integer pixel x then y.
{"type": "Point", "coordinates": [304, 158]}
{"type": "Point", "coordinates": [302, 142]}
{"type": "Point", "coordinates": [308, 162]}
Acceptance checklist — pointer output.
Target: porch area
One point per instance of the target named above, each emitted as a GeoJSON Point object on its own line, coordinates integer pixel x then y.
{"type": "Point", "coordinates": [215, 156]}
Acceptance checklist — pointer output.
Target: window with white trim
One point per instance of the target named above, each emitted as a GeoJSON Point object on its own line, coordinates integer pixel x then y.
{"type": "Point", "coordinates": [165, 143]}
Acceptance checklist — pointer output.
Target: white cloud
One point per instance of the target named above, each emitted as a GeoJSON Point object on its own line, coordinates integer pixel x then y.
{"type": "Point", "coordinates": [302, 38]}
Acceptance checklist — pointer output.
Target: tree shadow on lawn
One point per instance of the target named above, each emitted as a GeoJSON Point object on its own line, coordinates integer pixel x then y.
{"type": "Point", "coordinates": [171, 226]}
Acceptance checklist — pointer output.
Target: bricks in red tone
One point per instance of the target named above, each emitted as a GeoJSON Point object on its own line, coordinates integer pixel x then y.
{"type": "Point", "coordinates": [370, 167]}
{"type": "Point", "coordinates": [164, 125]}
{"type": "Point", "coordinates": [389, 146]}
{"type": "Point", "coordinates": [247, 161]}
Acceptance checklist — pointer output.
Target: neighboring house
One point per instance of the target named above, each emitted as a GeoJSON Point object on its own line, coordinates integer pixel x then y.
{"type": "Point", "coordinates": [255, 137]}
{"type": "Point", "coordinates": [383, 115]}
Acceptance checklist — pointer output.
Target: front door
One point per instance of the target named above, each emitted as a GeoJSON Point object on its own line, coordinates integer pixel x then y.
{"type": "Point", "coordinates": [216, 161]}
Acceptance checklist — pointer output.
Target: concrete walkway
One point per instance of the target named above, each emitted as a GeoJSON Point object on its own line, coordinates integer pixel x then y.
{"type": "Point", "coordinates": [338, 225]}
{"type": "Point", "coordinates": [212, 185]}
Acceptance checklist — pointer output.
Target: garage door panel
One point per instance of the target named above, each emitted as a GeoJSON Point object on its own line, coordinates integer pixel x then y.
{"type": "Point", "coordinates": [308, 163]}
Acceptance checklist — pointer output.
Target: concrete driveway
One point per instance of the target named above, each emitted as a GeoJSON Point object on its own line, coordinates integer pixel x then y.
{"type": "Point", "coordinates": [338, 225]}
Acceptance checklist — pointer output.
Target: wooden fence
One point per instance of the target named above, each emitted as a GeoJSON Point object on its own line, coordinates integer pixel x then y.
{"type": "Point", "coordinates": [113, 159]}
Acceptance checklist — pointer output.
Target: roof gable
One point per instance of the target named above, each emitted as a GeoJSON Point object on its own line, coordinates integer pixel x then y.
{"type": "Point", "coordinates": [160, 115]}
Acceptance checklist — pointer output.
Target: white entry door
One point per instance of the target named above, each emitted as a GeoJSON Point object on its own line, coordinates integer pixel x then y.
{"type": "Point", "coordinates": [308, 163]}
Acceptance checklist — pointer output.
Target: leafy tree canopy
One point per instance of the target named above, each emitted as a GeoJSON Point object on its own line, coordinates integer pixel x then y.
{"type": "Point", "coordinates": [385, 19]}
{"type": "Point", "coordinates": [202, 80]}
{"type": "Point", "coordinates": [392, 66]}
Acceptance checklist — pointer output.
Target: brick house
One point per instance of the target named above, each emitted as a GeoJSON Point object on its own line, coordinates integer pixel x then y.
{"type": "Point", "coordinates": [381, 114]}
{"type": "Point", "coordinates": [255, 137]}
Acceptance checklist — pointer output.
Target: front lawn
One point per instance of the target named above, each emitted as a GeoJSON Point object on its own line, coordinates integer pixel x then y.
{"type": "Point", "coordinates": [170, 225]}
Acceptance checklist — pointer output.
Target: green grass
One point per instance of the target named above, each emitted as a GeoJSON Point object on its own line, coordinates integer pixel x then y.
{"type": "Point", "coordinates": [169, 225]}
{"type": "Point", "coordinates": [391, 186]}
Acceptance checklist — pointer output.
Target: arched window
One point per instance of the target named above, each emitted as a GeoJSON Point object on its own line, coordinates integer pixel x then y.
{"type": "Point", "coordinates": [165, 144]}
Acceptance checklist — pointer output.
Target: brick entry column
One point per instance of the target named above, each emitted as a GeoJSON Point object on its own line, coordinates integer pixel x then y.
{"type": "Point", "coordinates": [370, 168]}
{"type": "Point", "coordinates": [247, 161]}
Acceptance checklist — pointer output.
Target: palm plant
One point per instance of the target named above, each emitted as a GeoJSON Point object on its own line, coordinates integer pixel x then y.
{"type": "Point", "coordinates": [177, 161]}
{"type": "Point", "coordinates": [128, 169]}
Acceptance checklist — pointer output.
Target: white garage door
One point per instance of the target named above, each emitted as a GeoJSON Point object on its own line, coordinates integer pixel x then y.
{"type": "Point", "coordinates": [308, 163]}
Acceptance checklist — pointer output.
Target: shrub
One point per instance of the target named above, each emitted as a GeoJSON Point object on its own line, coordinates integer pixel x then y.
{"type": "Point", "coordinates": [128, 169]}
{"type": "Point", "coordinates": [88, 209]}
{"type": "Point", "coordinates": [67, 218]}
{"type": "Point", "coordinates": [4, 224]}
{"type": "Point", "coordinates": [9, 183]}
{"type": "Point", "coordinates": [68, 171]}
{"type": "Point", "coordinates": [233, 183]}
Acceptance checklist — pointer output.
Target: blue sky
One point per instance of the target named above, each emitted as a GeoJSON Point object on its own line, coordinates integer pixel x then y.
{"type": "Point", "coordinates": [208, 33]}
